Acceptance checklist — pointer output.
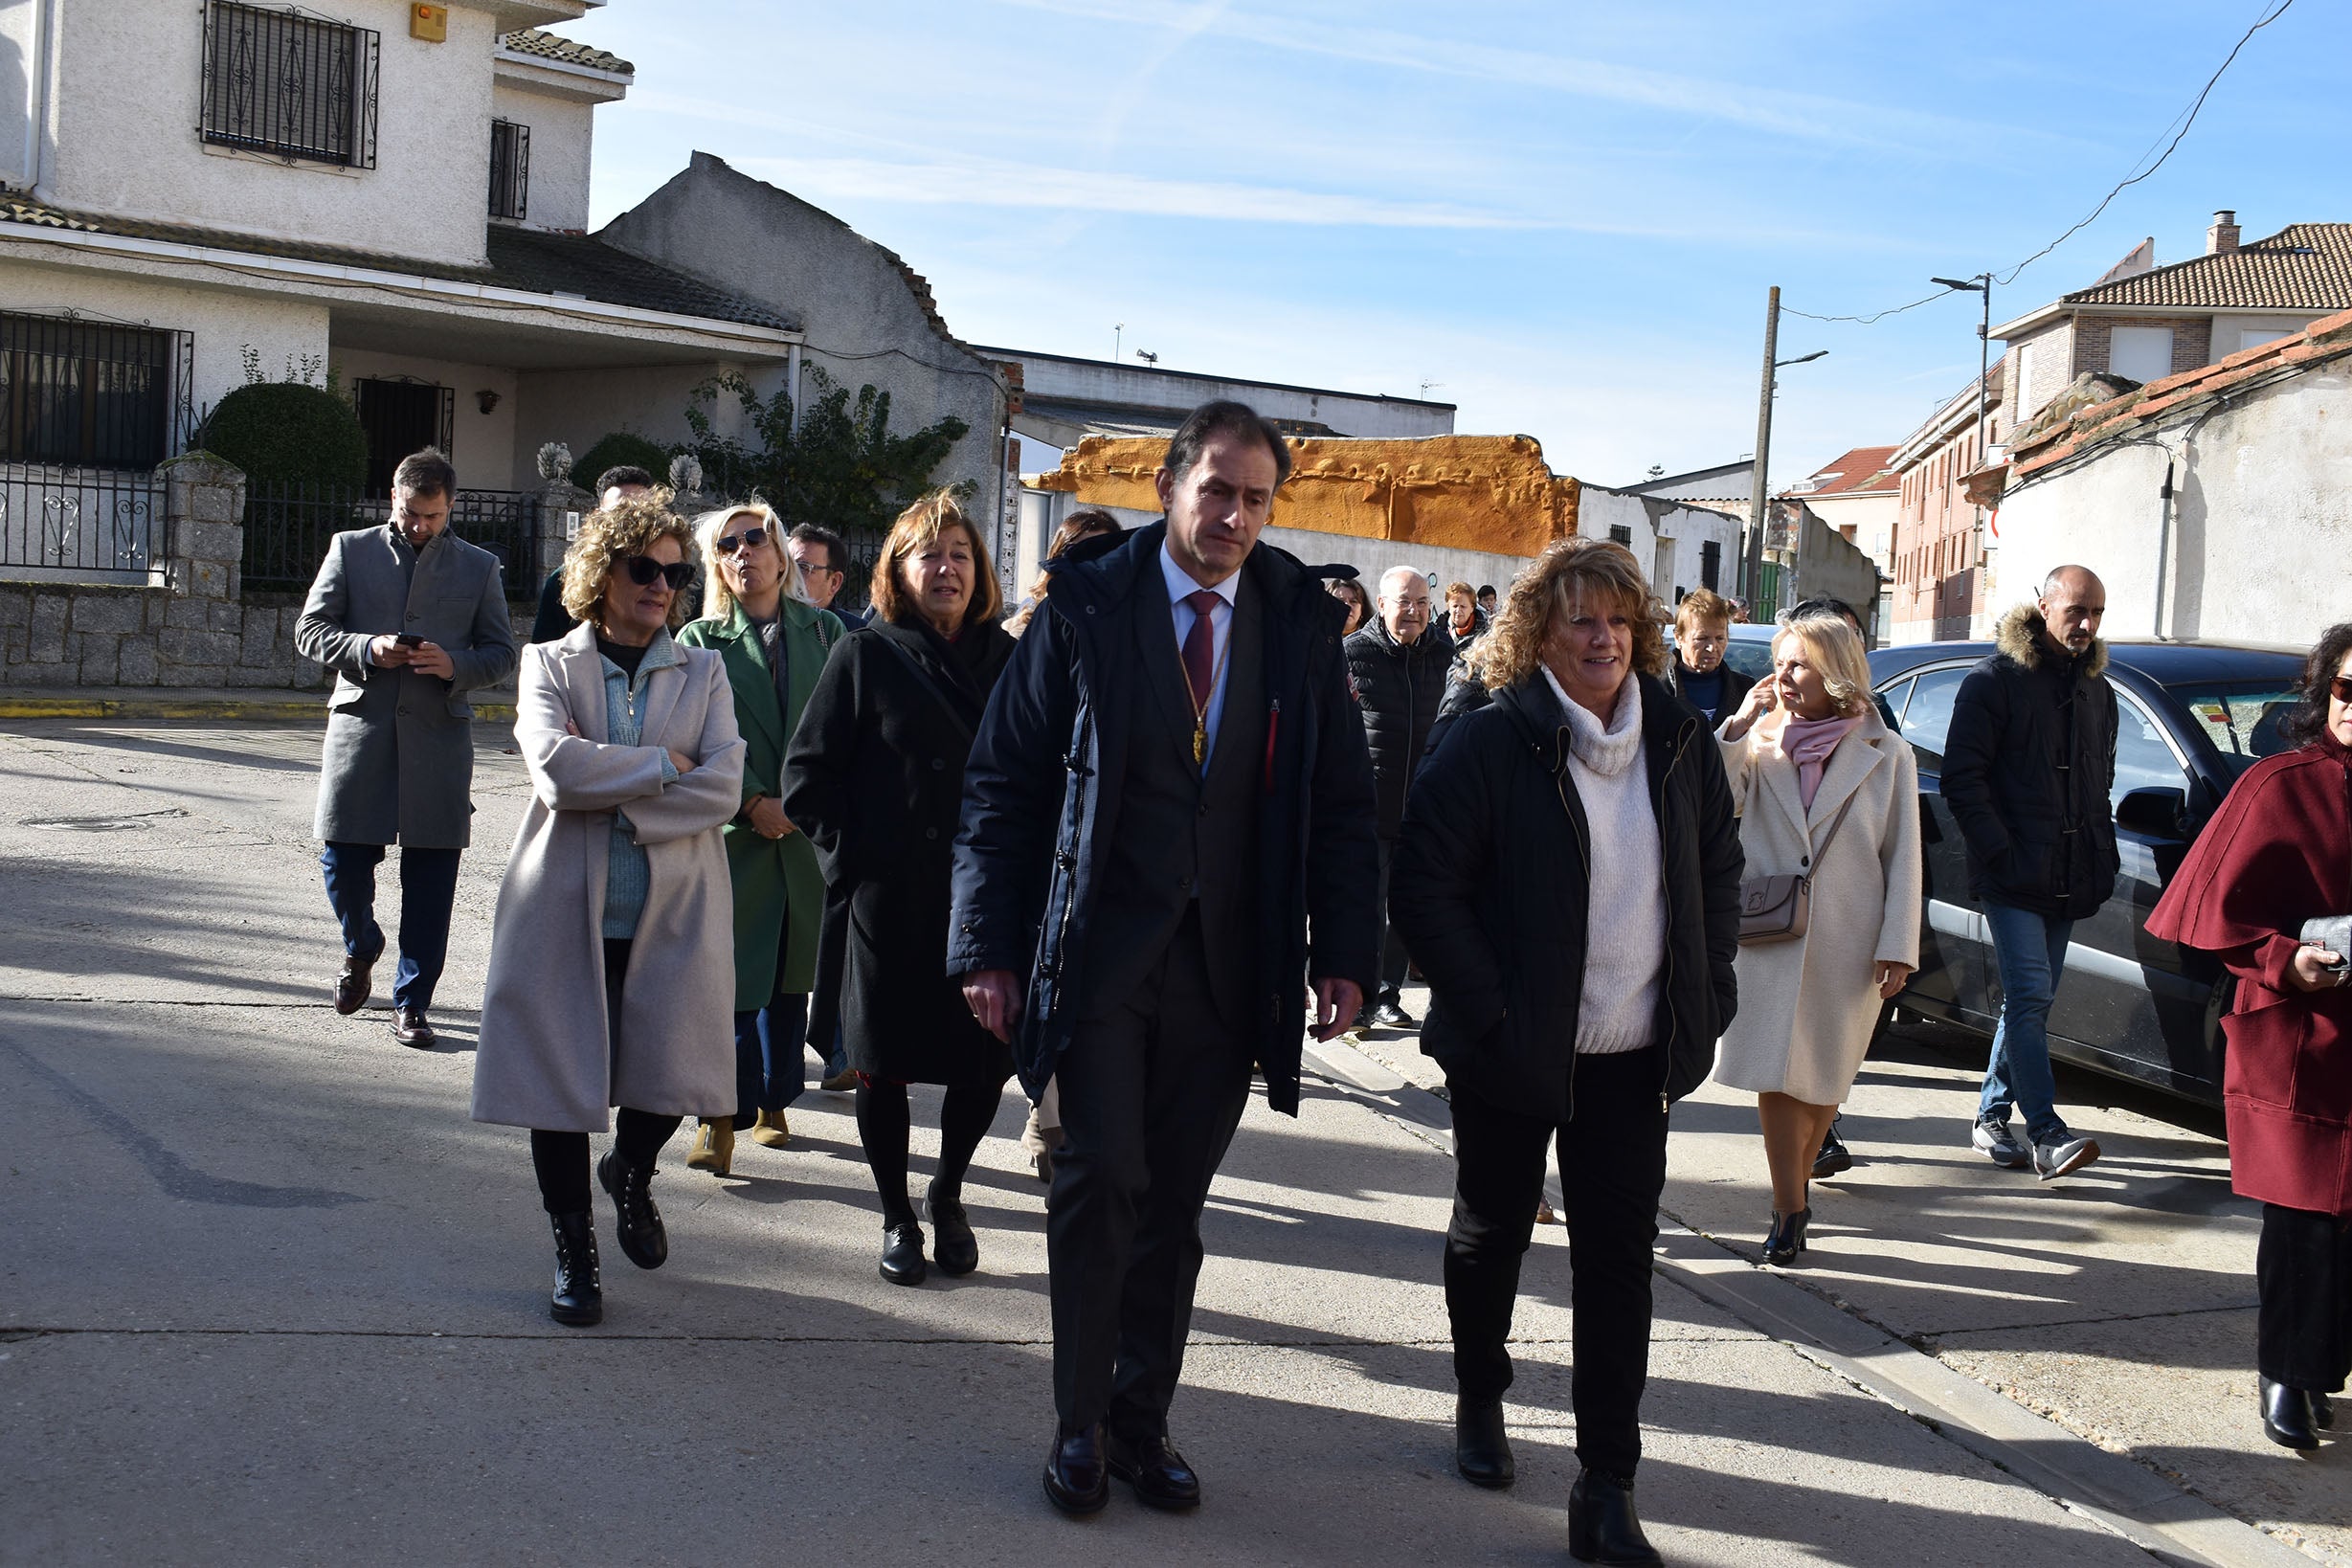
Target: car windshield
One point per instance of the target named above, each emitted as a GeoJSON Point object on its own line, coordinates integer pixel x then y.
{"type": "Point", "coordinates": [2241, 718]}
{"type": "Point", "coordinates": [1750, 655]}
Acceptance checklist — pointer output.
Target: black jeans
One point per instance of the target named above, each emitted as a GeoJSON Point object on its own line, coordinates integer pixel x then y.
{"type": "Point", "coordinates": [1392, 959]}
{"type": "Point", "coordinates": [2303, 1270]}
{"type": "Point", "coordinates": [1612, 1159]}
{"type": "Point", "coordinates": [1151, 1091]}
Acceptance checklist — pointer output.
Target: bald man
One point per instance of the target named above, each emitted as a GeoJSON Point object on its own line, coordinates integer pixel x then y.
{"type": "Point", "coordinates": [2027, 769]}
{"type": "Point", "coordinates": [1396, 661]}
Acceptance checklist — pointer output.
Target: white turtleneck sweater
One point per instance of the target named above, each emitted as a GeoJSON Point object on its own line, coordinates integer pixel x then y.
{"type": "Point", "coordinates": [1624, 922]}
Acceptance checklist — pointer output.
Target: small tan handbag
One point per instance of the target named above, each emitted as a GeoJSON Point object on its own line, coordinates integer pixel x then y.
{"type": "Point", "coordinates": [1777, 908]}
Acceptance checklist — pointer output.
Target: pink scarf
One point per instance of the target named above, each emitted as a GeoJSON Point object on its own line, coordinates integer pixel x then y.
{"type": "Point", "coordinates": [1808, 743]}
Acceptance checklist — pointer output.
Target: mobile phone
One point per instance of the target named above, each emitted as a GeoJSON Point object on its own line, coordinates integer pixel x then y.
{"type": "Point", "coordinates": [409, 640]}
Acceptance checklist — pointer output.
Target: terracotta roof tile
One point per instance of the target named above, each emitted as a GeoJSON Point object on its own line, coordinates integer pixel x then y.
{"type": "Point", "coordinates": [1857, 472]}
{"type": "Point", "coordinates": [2304, 266]}
{"type": "Point", "coordinates": [548, 46]}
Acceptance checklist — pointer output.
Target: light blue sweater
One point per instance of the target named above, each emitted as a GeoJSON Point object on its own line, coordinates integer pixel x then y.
{"type": "Point", "coordinates": [625, 870]}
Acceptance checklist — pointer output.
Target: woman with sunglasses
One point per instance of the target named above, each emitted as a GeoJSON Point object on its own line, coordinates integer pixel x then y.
{"type": "Point", "coordinates": [773, 644]}
{"type": "Point", "coordinates": [612, 956]}
{"type": "Point", "coordinates": [2266, 889]}
{"type": "Point", "coordinates": [875, 777]}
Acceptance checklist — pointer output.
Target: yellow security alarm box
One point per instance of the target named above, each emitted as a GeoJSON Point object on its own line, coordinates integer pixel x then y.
{"type": "Point", "coordinates": [430, 23]}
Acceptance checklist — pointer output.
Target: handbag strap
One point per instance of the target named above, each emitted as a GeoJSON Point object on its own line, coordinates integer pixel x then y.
{"type": "Point", "coordinates": [1822, 850]}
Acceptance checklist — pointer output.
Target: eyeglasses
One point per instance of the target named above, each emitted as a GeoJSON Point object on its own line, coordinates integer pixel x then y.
{"type": "Point", "coordinates": [2341, 689]}
{"type": "Point", "coordinates": [748, 539]}
{"type": "Point", "coordinates": [645, 571]}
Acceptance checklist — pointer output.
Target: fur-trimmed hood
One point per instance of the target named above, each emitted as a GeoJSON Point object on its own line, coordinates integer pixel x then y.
{"type": "Point", "coordinates": [2020, 637]}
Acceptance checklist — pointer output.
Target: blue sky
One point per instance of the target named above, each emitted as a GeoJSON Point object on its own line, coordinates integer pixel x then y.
{"type": "Point", "coordinates": [1565, 215]}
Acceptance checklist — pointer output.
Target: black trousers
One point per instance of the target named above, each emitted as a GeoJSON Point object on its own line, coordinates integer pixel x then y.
{"type": "Point", "coordinates": [1612, 1159]}
{"type": "Point", "coordinates": [1392, 959]}
{"type": "Point", "coordinates": [1152, 1090]}
{"type": "Point", "coordinates": [560, 1159]}
{"type": "Point", "coordinates": [2304, 1270]}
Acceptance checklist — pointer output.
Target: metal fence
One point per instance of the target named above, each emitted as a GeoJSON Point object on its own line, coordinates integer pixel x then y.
{"type": "Point", "coordinates": [288, 527]}
{"type": "Point", "coordinates": [80, 524]}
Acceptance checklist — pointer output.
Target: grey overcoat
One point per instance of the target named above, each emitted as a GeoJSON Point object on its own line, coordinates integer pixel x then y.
{"type": "Point", "coordinates": [399, 758]}
{"type": "Point", "coordinates": [549, 1055]}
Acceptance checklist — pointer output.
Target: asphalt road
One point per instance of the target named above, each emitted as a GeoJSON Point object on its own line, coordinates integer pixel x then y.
{"type": "Point", "coordinates": [266, 1295]}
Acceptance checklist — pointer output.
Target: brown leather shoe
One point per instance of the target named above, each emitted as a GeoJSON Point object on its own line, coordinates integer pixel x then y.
{"type": "Point", "coordinates": [354, 983]}
{"type": "Point", "coordinates": [410, 1029]}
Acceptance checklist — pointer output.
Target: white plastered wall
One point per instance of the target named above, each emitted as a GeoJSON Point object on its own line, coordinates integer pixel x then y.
{"type": "Point", "coordinates": [563, 133]}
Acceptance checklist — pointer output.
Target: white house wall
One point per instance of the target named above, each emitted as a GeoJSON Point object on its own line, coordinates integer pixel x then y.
{"type": "Point", "coordinates": [580, 408]}
{"type": "Point", "coordinates": [562, 139]}
{"type": "Point", "coordinates": [2263, 492]}
{"type": "Point", "coordinates": [20, 21]}
{"type": "Point", "coordinates": [122, 138]}
{"type": "Point", "coordinates": [481, 445]}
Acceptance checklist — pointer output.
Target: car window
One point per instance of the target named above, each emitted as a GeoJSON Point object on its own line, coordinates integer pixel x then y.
{"type": "Point", "coordinates": [2143, 761]}
{"type": "Point", "coordinates": [1927, 718]}
{"type": "Point", "coordinates": [2241, 718]}
{"type": "Point", "coordinates": [1750, 657]}
{"type": "Point", "coordinates": [1890, 702]}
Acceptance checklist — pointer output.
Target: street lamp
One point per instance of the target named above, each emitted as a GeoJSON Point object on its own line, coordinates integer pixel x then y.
{"type": "Point", "coordinates": [1981, 283]}
{"type": "Point", "coordinates": [1753, 575]}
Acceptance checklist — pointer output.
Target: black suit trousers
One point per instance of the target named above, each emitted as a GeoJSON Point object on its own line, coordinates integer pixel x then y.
{"type": "Point", "coordinates": [1612, 1162]}
{"type": "Point", "coordinates": [1152, 1090]}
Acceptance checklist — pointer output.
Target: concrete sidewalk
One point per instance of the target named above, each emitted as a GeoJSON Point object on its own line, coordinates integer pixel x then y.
{"type": "Point", "coordinates": [263, 704]}
{"type": "Point", "coordinates": [270, 1297]}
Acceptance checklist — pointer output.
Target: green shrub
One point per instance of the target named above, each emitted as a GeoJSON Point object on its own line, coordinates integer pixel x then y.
{"type": "Point", "coordinates": [619, 450]}
{"type": "Point", "coordinates": [284, 433]}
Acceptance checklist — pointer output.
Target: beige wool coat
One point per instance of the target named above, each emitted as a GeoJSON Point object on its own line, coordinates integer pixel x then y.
{"type": "Point", "coordinates": [1807, 1007]}
{"type": "Point", "coordinates": [549, 1055]}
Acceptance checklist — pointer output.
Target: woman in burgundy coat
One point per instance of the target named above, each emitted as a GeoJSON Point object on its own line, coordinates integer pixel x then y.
{"type": "Point", "coordinates": [2279, 853]}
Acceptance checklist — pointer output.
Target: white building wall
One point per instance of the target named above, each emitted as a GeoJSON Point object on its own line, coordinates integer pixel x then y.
{"type": "Point", "coordinates": [481, 445]}
{"type": "Point", "coordinates": [1050, 377]}
{"type": "Point", "coordinates": [122, 136]}
{"type": "Point", "coordinates": [563, 132]}
{"type": "Point", "coordinates": [580, 408]}
{"type": "Point", "coordinates": [2259, 546]}
{"type": "Point", "coordinates": [20, 23]}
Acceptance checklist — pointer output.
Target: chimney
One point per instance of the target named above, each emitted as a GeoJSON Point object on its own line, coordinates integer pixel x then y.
{"type": "Point", "coordinates": [2223, 236]}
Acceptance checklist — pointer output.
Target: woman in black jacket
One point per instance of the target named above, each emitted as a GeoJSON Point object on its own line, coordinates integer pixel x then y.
{"type": "Point", "coordinates": [1568, 880]}
{"type": "Point", "coordinates": [875, 777]}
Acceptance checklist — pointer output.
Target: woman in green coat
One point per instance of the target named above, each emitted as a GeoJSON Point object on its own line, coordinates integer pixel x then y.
{"type": "Point", "coordinates": [773, 645]}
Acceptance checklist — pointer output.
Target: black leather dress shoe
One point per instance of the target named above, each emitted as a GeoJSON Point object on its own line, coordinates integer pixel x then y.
{"type": "Point", "coordinates": [1390, 1014]}
{"type": "Point", "coordinates": [410, 1029]}
{"type": "Point", "coordinates": [2287, 1416]}
{"type": "Point", "coordinates": [1482, 1449]}
{"type": "Point", "coordinates": [578, 1300]}
{"type": "Point", "coordinates": [1077, 1477]}
{"type": "Point", "coordinates": [2323, 1412]}
{"type": "Point", "coordinates": [354, 983]}
{"type": "Point", "coordinates": [642, 1240]}
{"type": "Point", "coordinates": [954, 1247]}
{"type": "Point", "coordinates": [901, 1254]}
{"type": "Point", "coordinates": [1834, 1157]}
{"type": "Point", "coordinates": [1603, 1526]}
{"type": "Point", "coordinates": [1157, 1471]}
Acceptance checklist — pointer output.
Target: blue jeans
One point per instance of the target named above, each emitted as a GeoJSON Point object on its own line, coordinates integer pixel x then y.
{"type": "Point", "coordinates": [769, 1069]}
{"type": "Point", "coordinates": [428, 887]}
{"type": "Point", "coordinates": [2030, 950]}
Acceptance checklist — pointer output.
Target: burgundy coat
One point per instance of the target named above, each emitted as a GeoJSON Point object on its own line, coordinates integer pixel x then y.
{"type": "Point", "coordinates": [2277, 853]}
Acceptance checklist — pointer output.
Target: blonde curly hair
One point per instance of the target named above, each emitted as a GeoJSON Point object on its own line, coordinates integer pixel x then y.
{"type": "Point", "coordinates": [627, 528]}
{"type": "Point", "coordinates": [1569, 572]}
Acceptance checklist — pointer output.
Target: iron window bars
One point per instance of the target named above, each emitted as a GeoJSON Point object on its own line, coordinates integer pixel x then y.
{"type": "Point", "coordinates": [92, 394]}
{"type": "Point", "coordinates": [285, 83]}
{"type": "Point", "coordinates": [511, 168]}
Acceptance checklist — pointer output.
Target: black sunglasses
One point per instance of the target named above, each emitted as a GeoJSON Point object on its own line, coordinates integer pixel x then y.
{"type": "Point", "coordinates": [2340, 687]}
{"type": "Point", "coordinates": [748, 539]}
{"type": "Point", "coordinates": [643, 569]}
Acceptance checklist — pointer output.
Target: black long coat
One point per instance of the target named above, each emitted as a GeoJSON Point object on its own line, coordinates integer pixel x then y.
{"type": "Point", "coordinates": [875, 777]}
{"type": "Point", "coordinates": [1398, 686]}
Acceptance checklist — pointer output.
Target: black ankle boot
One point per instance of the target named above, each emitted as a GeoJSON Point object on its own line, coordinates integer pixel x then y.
{"type": "Point", "coordinates": [1785, 1240]}
{"type": "Point", "coordinates": [954, 1247]}
{"type": "Point", "coordinates": [638, 1223]}
{"type": "Point", "coordinates": [1602, 1524]}
{"type": "Point", "coordinates": [578, 1301]}
{"type": "Point", "coordinates": [2286, 1415]}
{"type": "Point", "coordinates": [1482, 1449]}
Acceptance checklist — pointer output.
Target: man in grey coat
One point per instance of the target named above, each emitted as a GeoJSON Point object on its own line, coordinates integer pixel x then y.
{"type": "Point", "coordinates": [411, 619]}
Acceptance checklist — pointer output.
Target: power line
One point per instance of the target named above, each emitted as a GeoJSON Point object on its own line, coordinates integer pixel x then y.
{"type": "Point", "coordinates": [2185, 121]}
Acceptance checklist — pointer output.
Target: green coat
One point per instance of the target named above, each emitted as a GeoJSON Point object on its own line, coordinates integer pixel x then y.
{"type": "Point", "coordinates": [779, 891]}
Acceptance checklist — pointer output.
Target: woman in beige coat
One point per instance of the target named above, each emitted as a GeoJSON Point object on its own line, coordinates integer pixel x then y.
{"type": "Point", "coordinates": [613, 956]}
{"type": "Point", "coordinates": [1825, 790]}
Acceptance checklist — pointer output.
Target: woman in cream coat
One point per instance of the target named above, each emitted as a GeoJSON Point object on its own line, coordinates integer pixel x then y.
{"type": "Point", "coordinates": [1825, 791]}
{"type": "Point", "coordinates": [613, 956]}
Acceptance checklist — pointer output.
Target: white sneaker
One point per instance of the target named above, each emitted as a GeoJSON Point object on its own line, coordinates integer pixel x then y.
{"type": "Point", "coordinates": [2062, 1154]}
{"type": "Point", "coordinates": [1996, 1142]}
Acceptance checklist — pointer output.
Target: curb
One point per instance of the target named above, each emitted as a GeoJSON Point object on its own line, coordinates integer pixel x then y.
{"type": "Point", "coordinates": [292, 706]}
{"type": "Point", "coordinates": [2171, 1524]}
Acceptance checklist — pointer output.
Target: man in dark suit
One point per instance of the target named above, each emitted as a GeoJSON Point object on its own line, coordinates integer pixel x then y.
{"type": "Point", "coordinates": [1171, 783]}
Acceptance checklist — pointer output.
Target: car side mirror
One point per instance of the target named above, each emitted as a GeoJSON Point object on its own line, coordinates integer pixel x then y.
{"type": "Point", "coordinates": [2154, 814]}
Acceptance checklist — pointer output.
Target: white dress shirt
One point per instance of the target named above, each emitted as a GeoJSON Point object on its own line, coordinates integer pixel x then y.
{"type": "Point", "coordinates": [1180, 587]}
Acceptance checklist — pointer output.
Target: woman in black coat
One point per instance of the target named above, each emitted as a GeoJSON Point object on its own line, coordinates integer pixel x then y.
{"type": "Point", "coordinates": [875, 777]}
{"type": "Point", "coordinates": [1568, 879]}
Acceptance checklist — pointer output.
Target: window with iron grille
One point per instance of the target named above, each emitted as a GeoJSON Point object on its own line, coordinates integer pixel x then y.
{"type": "Point", "coordinates": [511, 168]}
{"type": "Point", "coordinates": [287, 82]}
{"type": "Point", "coordinates": [89, 394]}
{"type": "Point", "coordinates": [1620, 534]}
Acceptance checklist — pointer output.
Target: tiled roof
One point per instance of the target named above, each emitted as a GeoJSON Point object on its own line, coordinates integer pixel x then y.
{"type": "Point", "coordinates": [2329, 338]}
{"type": "Point", "coordinates": [1858, 472]}
{"type": "Point", "coordinates": [548, 46]}
{"type": "Point", "coordinates": [2304, 266]}
{"type": "Point", "coordinates": [531, 260]}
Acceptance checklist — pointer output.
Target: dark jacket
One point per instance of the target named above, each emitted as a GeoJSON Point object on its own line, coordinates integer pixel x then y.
{"type": "Point", "coordinates": [875, 777]}
{"type": "Point", "coordinates": [2026, 771]}
{"type": "Point", "coordinates": [1490, 893]}
{"type": "Point", "coordinates": [1735, 686]}
{"type": "Point", "coordinates": [1398, 686]}
{"type": "Point", "coordinates": [1042, 800]}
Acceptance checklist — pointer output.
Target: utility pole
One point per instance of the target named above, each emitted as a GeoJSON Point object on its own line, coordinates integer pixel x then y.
{"type": "Point", "coordinates": [1753, 578]}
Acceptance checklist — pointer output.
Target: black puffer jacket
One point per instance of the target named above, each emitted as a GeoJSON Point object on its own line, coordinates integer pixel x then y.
{"type": "Point", "coordinates": [1489, 894]}
{"type": "Point", "coordinates": [2027, 768]}
{"type": "Point", "coordinates": [1398, 686]}
{"type": "Point", "coordinates": [1735, 686]}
